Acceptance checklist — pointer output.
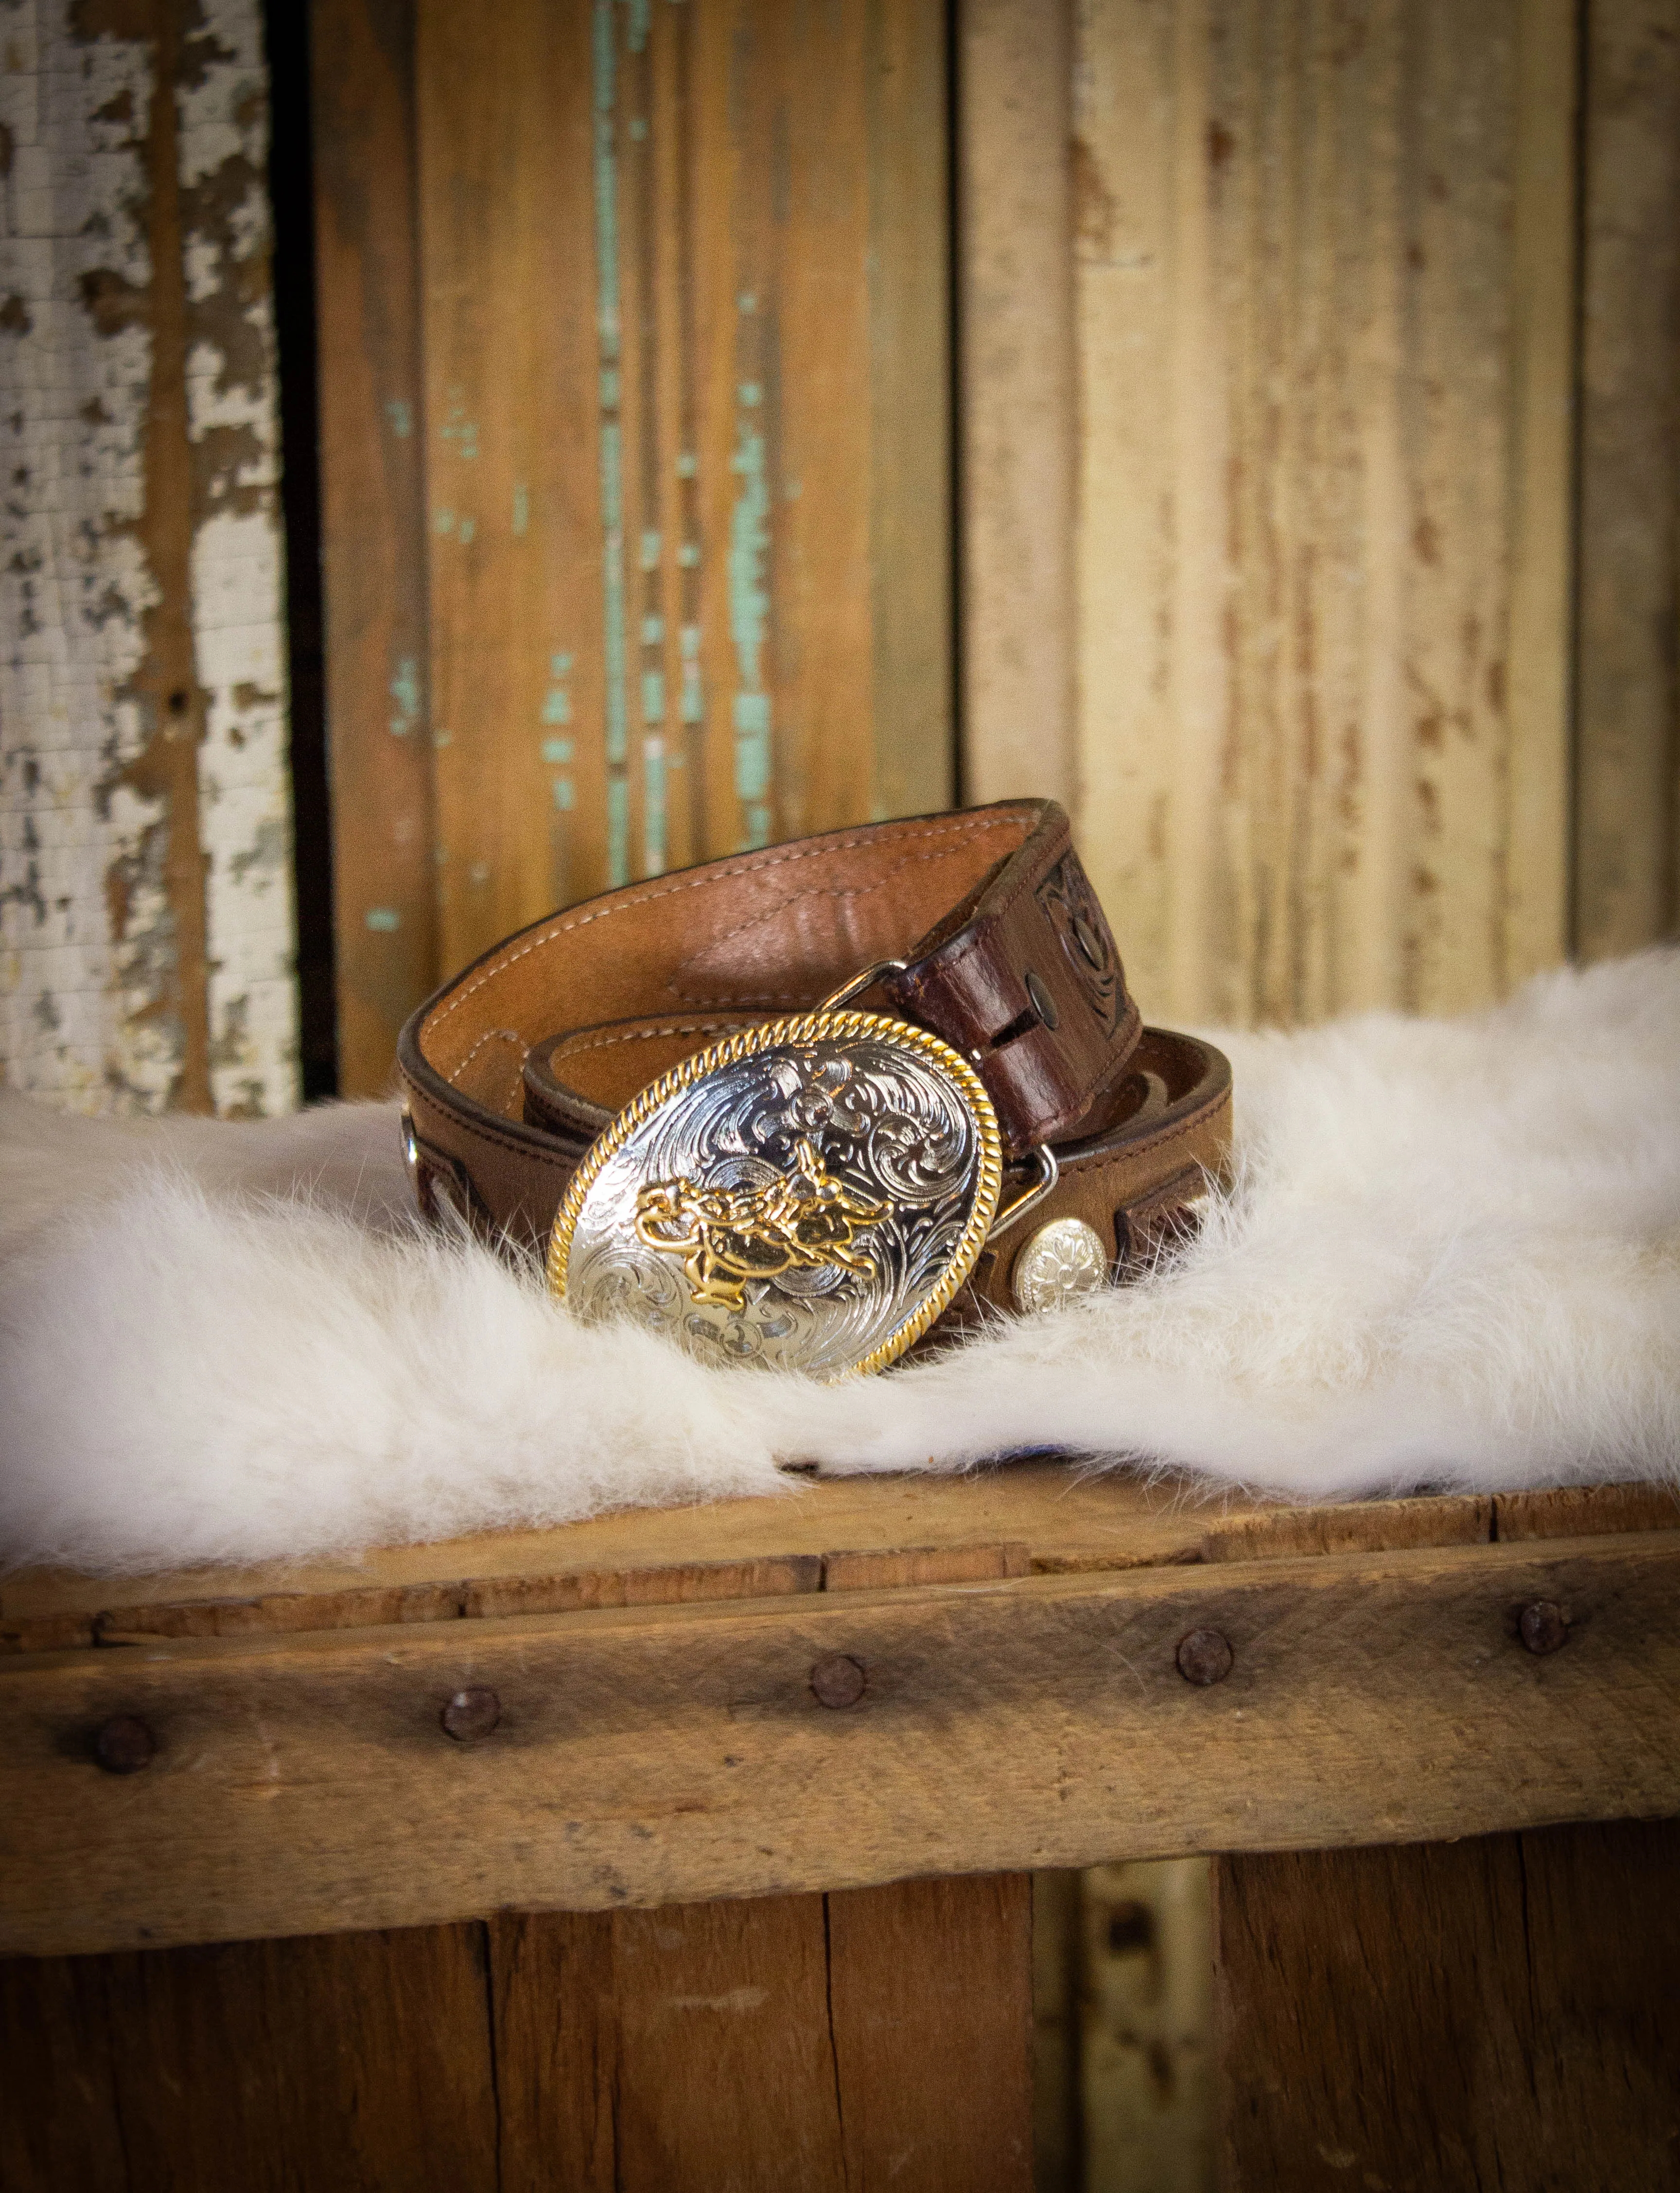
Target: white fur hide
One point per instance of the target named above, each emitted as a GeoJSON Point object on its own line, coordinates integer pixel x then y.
{"type": "Point", "coordinates": [1451, 1258]}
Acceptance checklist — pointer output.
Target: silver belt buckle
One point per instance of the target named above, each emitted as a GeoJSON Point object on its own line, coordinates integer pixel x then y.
{"type": "Point", "coordinates": [808, 1194]}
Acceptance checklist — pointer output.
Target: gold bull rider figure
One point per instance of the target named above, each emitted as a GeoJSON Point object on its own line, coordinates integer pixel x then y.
{"type": "Point", "coordinates": [727, 1236]}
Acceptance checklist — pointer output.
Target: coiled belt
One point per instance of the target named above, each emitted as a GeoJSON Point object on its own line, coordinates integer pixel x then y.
{"type": "Point", "coordinates": [795, 1106]}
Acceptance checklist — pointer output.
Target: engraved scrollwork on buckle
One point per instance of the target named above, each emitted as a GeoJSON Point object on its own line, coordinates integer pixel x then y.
{"type": "Point", "coordinates": [808, 1194]}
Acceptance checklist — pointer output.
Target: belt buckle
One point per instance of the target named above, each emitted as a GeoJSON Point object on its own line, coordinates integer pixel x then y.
{"type": "Point", "coordinates": [808, 1194]}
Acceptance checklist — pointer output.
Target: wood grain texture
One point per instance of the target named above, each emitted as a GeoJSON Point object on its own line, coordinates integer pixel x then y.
{"type": "Point", "coordinates": [1018, 399]}
{"type": "Point", "coordinates": [1489, 2014]}
{"type": "Point", "coordinates": [931, 1996]}
{"type": "Point", "coordinates": [146, 917]}
{"type": "Point", "coordinates": [1325, 313]}
{"type": "Point", "coordinates": [829, 1535]}
{"type": "Point", "coordinates": [858, 2041]}
{"type": "Point", "coordinates": [1586, 1510]}
{"type": "Point", "coordinates": [823, 1532]}
{"type": "Point", "coordinates": [373, 523]}
{"type": "Point", "coordinates": [1375, 1525]}
{"type": "Point", "coordinates": [305, 1784]}
{"type": "Point", "coordinates": [1628, 821]}
{"type": "Point", "coordinates": [871, 2039]}
{"type": "Point", "coordinates": [356, 2061]}
{"type": "Point", "coordinates": [1058, 2131]}
{"type": "Point", "coordinates": [687, 457]}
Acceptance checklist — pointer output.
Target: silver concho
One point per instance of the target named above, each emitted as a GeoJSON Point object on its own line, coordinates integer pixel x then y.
{"type": "Point", "coordinates": [1063, 1259]}
{"type": "Point", "coordinates": [808, 1194]}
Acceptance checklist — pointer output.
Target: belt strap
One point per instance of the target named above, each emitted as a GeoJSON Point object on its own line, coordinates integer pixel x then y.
{"type": "Point", "coordinates": [996, 943]}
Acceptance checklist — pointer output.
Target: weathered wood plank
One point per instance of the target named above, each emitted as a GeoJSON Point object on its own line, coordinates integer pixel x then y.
{"type": "Point", "coordinates": [1325, 304]}
{"type": "Point", "coordinates": [1066, 1521]}
{"type": "Point", "coordinates": [641, 1754]}
{"type": "Point", "coordinates": [373, 523]}
{"type": "Point", "coordinates": [834, 1534]}
{"type": "Point", "coordinates": [1487, 2013]}
{"type": "Point", "coordinates": [931, 2015]}
{"type": "Point", "coordinates": [340, 2060]}
{"type": "Point", "coordinates": [1058, 2040]}
{"type": "Point", "coordinates": [868, 2038]}
{"type": "Point", "coordinates": [1573, 1511]}
{"type": "Point", "coordinates": [912, 507]}
{"type": "Point", "coordinates": [145, 923]}
{"type": "Point", "coordinates": [1374, 1525]}
{"type": "Point", "coordinates": [1627, 819]}
{"type": "Point", "coordinates": [1018, 400]}
{"type": "Point", "coordinates": [876, 2038]}
{"type": "Point", "coordinates": [689, 487]}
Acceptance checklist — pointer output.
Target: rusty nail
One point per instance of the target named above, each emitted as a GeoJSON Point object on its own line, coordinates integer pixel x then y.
{"type": "Point", "coordinates": [124, 1745]}
{"type": "Point", "coordinates": [1543, 1626]}
{"type": "Point", "coordinates": [471, 1714]}
{"type": "Point", "coordinates": [839, 1680]}
{"type": "Point", "coordinates": [1204, 1656]}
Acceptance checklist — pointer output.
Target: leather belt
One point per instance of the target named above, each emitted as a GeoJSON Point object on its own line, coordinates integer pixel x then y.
{"type": "Point", "coordinates": [976, 934]}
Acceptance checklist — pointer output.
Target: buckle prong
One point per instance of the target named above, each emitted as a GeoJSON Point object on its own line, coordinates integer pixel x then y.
{"type": "Point", "coordinates": [855, 983]}
{"type": "Point", "coordinates": [1048, 1173]}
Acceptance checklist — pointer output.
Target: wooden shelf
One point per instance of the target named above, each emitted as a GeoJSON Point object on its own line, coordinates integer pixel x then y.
{"type": "Point", "coordinates": [1020, 1704]}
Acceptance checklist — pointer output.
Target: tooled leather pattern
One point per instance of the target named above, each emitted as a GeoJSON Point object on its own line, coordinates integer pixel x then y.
{"type": "Point", "coordinates": [1073, 910]}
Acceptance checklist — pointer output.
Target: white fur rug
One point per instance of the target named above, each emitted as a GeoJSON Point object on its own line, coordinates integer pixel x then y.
{"type": "Point", "coordinates": [1452, 1258]}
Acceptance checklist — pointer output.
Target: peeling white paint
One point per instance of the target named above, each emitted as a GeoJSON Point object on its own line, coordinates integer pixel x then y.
{"type": "Point", "coordinates": [73, 587]}
{"type": "Point", "coordinates": [237, 594]}
{"type": "Point", "coordinates": [86, 935]}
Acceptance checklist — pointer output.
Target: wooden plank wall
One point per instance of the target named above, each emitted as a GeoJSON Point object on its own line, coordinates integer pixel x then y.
{"type": "Point", "coordinates": [870, 2038]}
{"type": "Point", "coordinates": [1339, 514]}
{"type": "Point", "coordinates": [636, 420]}
{"type": "Point", "coordinates": [1627, 890]}
{"type": "Point", "coordinates": [145, 900]}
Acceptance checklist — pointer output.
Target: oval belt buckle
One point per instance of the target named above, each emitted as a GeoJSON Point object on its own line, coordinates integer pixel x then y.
{"type": "Point", "coordinates": [808, 1194]}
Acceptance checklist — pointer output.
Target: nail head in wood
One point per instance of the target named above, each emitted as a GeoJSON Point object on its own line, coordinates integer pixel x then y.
{"type": "Point", "coordinates": [1204, 1656]}
{"type": "Point", "coordinates": [1543, 1626]}
{"type": "Point", "coordinates": [471, 1715]}
{"type": "Point", "coordinates": [124, 1745]}
{"type": "Point", "coordinates": [839, 1680]}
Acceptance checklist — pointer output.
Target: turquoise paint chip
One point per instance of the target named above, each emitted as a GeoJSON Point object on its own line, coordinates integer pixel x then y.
{"type": "Point", "coordinates": [565, 794]}
{"type": "Point", "coordinates": [618, 831]}
{"type": "Point", "coordinates": [383, 919]}
{"type": "Point", "coordinates": [752, 715]}
{"type": "Point", "coordinates": [556, 708]}
{"type": "Point", "coordinates": [752, 768]}
{"type": "Point", "coordinates": [556, 752]}
{"type": "Point", "coordinates": [653, 696]}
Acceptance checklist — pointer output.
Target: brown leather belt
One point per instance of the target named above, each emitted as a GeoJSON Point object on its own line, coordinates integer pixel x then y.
{"type": "Point", "coordinates": [982, 928]}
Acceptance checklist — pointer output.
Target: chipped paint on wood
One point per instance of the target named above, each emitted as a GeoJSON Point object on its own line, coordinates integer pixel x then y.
{"type": "Point", "coordinates": [145, 923]}
{"type": "Point", "coordinates": [706, 337]}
